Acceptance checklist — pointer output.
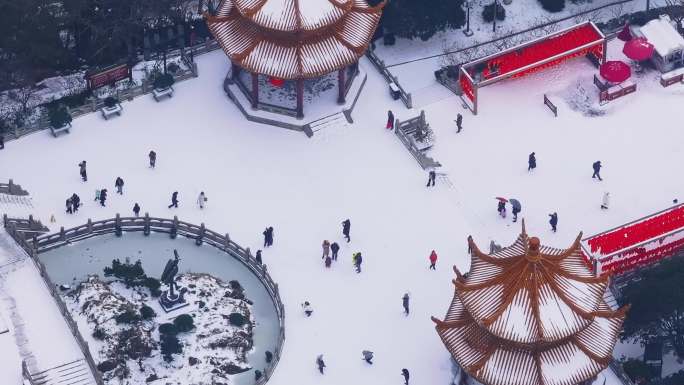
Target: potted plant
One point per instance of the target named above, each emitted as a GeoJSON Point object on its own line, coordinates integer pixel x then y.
{"type": "Point", "coordinates": [60, 119]}
{"type": "Point", "coordinates": [111, 107]}
{"type": "Point", "coordinates": [163, 86]}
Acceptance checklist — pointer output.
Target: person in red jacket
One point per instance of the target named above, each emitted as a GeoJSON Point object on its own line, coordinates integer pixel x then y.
{"type": "Point", "coordinates": [433, 260]}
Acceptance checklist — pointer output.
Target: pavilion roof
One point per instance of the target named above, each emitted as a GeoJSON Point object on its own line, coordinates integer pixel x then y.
{"type": "Point", "coordinates": [293, 39]}
{"type": "Point", "coordinates": [530, 315]}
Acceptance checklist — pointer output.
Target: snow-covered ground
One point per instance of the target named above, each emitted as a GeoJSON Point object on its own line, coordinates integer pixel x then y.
{"type": "Point", "coordinates": [256, 176]}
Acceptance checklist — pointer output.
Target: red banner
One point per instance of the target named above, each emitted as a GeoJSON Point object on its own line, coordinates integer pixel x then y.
{"type": "Point", "coordinates": [108, 76]}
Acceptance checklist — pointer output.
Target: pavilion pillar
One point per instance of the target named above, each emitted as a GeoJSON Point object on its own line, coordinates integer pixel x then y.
{"type": "Point", "coordinates": [300, 98]}
{"type": "Point", "coordinates": [341, 85]}
{"type": "Point", "coordinates": [255, 90]}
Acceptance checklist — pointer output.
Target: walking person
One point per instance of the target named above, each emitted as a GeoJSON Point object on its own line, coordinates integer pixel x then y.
{"type": "Point", "coordinates": [531, 162]}
{"type": "Point", "coordinates": [515, 204]}
{"type": "Point", "coordinates": [82, 171]}
{"type": "Point", "coordinates": [75, 201]}
{"type": "Point", "coordinates": [367, 356]}
{"type": "Point", "coordinates": [136, 209]}
{"type": "Point", "coordinates": [432, 175]}
{"type": "Point", "coordinates": [328, 262]}
{"type": "Point", "coordinates": [201, 200]}
{"type": "Point", "coordinates": [346, 227]}
{"type": "Point", "coordinates": [258, 257]}
{"type": "Point", "coordinates": [268, 236]}
{"type": "Point", "coordinates": [433, 260]}
{"type": "Point", "coordinates": [459, 120]}
{"type": "Point", "coordinates": [405, 374]}
{"type": "Point", "coordinates": [97, 195]}
{"type": "Point", "coordinates": [405, 303]}
{"type": "Point", "coordinates": [320, 363]}
{"type": "Point", "coordinates": [334, 248]}
{"type": "Point", "coordinates": [2, 142]}
{"type": "Point", "coordinates": [390, 120]}
{"type": "Point", "coordinates": [69, 206]}
{"type": "Point", "coordinates": [308, 310]}
{"type": "Point", "coordinates": [103, 196]}
{"type": "Point", "coordinates": [597, 169]}
{"type": "Point", "coordinates": [119, 183]}
{"type": "Point", "coordinates": [501, 208]}
{"type": "Point", "coordinates": [553, 221]}
{"type": "Point", "coordinates": [357, 260]}
{"type": "Point", "coordinates": [153, 158]}
{"type": "Point", "coordinates": [606, 201]}
{"type": "Point", "coordinates": [174, 200]}
{"type": "Point", "coordinates": [326, 249]}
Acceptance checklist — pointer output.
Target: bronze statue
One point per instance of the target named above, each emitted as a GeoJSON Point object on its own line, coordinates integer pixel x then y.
{"type": "Point", "coordinates": [169, 275]}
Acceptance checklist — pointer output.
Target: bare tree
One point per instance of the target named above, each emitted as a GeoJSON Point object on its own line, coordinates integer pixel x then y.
{"type": "Point", "coordinates": [618, 10]}
{"type": "Point", "coordinates": [673, 9]}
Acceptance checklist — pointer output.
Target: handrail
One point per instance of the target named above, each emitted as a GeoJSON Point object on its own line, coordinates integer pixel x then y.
{"type": "Point", "coordinates": [147, 224]}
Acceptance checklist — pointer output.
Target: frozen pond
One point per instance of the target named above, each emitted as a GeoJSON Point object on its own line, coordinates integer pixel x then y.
{"type": "Point", "coordinates": [71, 264]}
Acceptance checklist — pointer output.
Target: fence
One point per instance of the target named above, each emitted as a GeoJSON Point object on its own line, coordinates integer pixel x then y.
{"type": "Point", "coordinates": [380, 66]}
{"type": "Point", "coordinates": [12, 189]}
{"type": "Point", "coordinates": [128, 94]}
{"type": "Point", "coordinates": [146, 224]}
{"type": "Point", "coordinates": [404, 131]}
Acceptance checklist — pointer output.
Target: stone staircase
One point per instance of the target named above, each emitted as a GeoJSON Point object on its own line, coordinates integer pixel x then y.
{"type": "Point", "coordinates": [70, 373]}
{"type": "Point", "coordinates": [337, 120]}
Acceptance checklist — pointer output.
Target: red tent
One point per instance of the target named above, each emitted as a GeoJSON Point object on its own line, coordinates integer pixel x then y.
{"type": "Point", "coordinates": [638, 49]}
{"type": "Point", "coordinates": [615, 71]}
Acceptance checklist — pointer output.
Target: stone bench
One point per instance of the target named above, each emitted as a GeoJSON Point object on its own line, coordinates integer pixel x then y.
{"type": "Point", "coordinates": [109, 111]}
{"type": "Point", "coordinates": [64, 128]}
{"type": "Point", "coordinates": [159, 93]}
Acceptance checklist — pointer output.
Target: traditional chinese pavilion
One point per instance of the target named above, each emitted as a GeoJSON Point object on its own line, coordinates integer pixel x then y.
{"type": "Point", "coordinates": [293, 40]}
{"type": "Point", "coordinates": [530, 315]}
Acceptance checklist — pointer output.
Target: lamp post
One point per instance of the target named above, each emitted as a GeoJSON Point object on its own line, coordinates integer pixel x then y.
{"type": "Point", "coordinates": [468, 5]}
{"type": "Point", "coordinates": [192, 42]}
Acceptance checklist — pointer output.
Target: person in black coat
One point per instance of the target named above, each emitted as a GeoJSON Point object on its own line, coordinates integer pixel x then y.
{"type": "Point", "coordinates": [405, 303]}
{"type": "Point", "coordinates": [531, 162]}
{"type": "Point", "coordinates": [75, 201]}
{"type": "Point", "coordinates": [405, 373]}
{"type": "Point", "coordinates": [459, 121]}
{"type": "Point", "coordinates": [136, 209]}
{"type": "Point", "coordinates": [258, 257]}
{"type": "Point", "coordinates": [268, 236]}
{"type": "Point", "coordinates": [119, 183]}
{"type": "Point", "coordinates": [320, 363]}
{"type": "Point", "coordinates": [597, 170]}
{"type": "Point", "coordinates": [103, 196]}
{"type": "Point", "coordinates": [553, 221]}
{"type": "Point", "coordinates": [334, 248]}
{"type": "Point", "coordinates": [346, 227]}
{"type": "Point", "coordinates": [82, 170]}
{"type": "Point", "coordinates": [357, 262]}
{"type": "Point", "coordinates": [2, 142]}
{"type": "Point", "coordinates": [432, 175]}
{"type": "Point", "coordinates": [174, 200]}
{"type": "Point", "coordinates": [153, 158]}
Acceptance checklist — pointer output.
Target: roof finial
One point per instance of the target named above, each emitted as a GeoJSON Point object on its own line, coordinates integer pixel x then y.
{"type": "Point", "coordinates": [524, 233]}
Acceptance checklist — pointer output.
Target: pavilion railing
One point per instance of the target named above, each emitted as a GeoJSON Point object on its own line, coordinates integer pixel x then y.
{"type": "Point", "coordinates": [146, 224]}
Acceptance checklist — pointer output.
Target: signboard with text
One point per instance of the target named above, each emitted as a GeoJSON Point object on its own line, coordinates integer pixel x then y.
{"type": "Point", "coordinates": [108, 76]}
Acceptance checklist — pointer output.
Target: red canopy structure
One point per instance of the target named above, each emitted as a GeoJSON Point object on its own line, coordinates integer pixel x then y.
{"type": "Point", "coordinates": [638, 49]}
{"type": "Point", "coordinates": [615, 71]}
{"type": "Point", "coordinates": [580, 40]}
{"type": "Point", "coordinates": [530, 315]}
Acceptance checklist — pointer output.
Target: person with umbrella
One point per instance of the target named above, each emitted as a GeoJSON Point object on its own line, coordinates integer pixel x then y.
{"type": "Point", "coordinates": [516, 208]}
{"type": "Point", "coordinates": [501, 208]}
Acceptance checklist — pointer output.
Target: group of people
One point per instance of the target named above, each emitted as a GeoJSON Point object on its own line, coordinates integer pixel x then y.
{"type": "Point", "coordinates": [331, 250]}
{"type": "Point", "coordinates": [73, 203]}
{"type": "Point", "coordinates": [367, 356]}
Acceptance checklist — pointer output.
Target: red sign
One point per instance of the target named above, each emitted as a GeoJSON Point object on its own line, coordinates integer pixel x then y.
{"type": "Point", "coordinates": [109, 76]}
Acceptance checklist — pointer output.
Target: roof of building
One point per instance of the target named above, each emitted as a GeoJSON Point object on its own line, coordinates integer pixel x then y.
{"type": "Point", "coordinates": [293, 39]}
{"type": "Point", "coordinates": [665, 39]}
{"type": "Point", "coordinates": [530, 315]}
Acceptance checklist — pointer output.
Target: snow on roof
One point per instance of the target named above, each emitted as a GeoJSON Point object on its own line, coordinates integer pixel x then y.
{"type": "Point", "coordinates": [663, 36]}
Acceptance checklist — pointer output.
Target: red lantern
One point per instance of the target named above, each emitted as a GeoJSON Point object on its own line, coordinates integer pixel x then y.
{"type": "Point", "coordinates": [276, 82]}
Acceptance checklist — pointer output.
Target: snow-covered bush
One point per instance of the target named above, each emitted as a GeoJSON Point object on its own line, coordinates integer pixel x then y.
{"type": "Point", "coordinates": [59, 116]}
{"type": "Point", "coordinates": [170, 346]}
{"type": "Point", "coordinates": [237, 319]}
{"type": "Point", "coordinates": [147, 312]}
{"type": "Point", "coordinates": [110, 102]}
{"type": "Point", "coordinates": [163, 81]}
{"type": "Point", "coordinates": [184, 323]}
{"type": "Point", "coordinates": [173, 68]}
{"type": "Point", "coordinates": [168, 328]}
{"type": "Point", "coordinates": [553, 5]}
{"type": "Point", "coordinates": [488, 12]}
{"type": "Point", "coordinates": [128, 317]}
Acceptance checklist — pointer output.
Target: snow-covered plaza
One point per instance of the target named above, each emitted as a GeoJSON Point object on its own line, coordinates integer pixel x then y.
{"type": "Point", "coordinates": [257, 176]}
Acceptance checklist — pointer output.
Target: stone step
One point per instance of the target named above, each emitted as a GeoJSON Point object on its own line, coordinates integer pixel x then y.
{"type": "Point", "coordinates": [70, 373]}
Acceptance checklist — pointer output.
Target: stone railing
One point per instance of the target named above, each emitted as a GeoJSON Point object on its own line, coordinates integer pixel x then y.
{"type": "Point", "coordinates": [11, 188]}
{"type": "Point", "coordinates": [380, 66]}
{"type": "Point", "coordinates": [405, 129]}
{"type": "Point", "coordinates": [118, 225]}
